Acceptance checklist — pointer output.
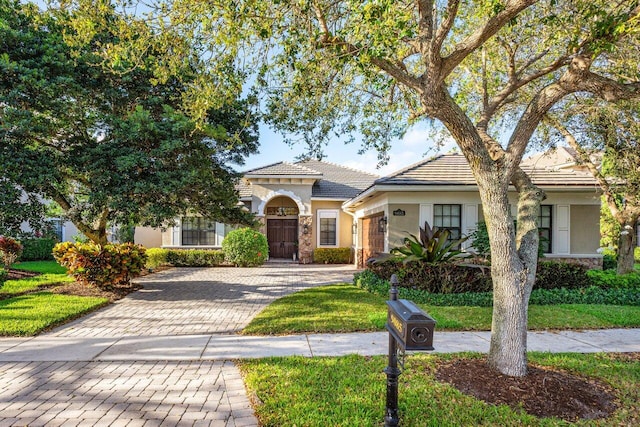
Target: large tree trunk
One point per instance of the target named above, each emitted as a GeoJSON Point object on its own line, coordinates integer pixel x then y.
{"type": "Point", "coordinates": [514, 256]}
{"type": "Point", "coordinates": [626, 246]}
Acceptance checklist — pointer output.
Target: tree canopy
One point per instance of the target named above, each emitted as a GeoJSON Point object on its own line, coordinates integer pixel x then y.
{"type": "Point", "coordinates": [109, 141]}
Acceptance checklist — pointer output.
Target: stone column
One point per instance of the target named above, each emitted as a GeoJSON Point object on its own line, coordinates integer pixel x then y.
{"type": "Point", "coordinates": [305, 245]}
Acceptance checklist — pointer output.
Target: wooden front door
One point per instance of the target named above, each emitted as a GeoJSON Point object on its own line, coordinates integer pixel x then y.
{"type": "Point", "coordinates": [372, 237]}
{"type": "Point", "coordinates": [282, 235]}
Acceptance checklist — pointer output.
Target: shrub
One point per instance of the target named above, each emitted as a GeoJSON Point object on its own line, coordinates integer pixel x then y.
{"type": "Point", "coordinates": [609, 261]}
{"type": "Point", "coordinates": [37, 249]}
{"type": "Point", "coordinates": [433, 246]}
{"type": "Point", "coordinates": [156, 257]}
{"type": "Point", "coordinates": [10, 250]}
{"type": "Point", "coordinates": [481, 240]}
{"type": "Point", "coordinates": [332, 255]}
{"type": "Point", "coordinates": [370, 282]}
{"type": "Point", "coordinates": [443, 278]}
{"type": "Point", "coordinates": [102, 266]}
{"type": "Point", "coordinates": [245, 247]}
{"type": "Point", "coordinates": [552, 275]}
{"type": "Point", "coordinates": [3, 276]}
{"type": "Point", "coordinates": [636, 254]}
{"type": "Point", "coordinates": [195, 257]}
{"type": "Point", "coordinates": [611, 279]}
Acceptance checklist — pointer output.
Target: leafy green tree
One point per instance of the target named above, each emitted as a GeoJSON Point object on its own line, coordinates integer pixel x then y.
{"type": "Point", "coordinates": [108, 141]}
{"type": "Point", "coordinates": [18, 208]}
{"type": "Point", "coordinates": [610, 149]}
{"type": "Point", "coordinates": [486, 72]}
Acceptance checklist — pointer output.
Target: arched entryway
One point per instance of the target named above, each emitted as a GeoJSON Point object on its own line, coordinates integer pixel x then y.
{"type": "Point", "coordinates": [281, 215]}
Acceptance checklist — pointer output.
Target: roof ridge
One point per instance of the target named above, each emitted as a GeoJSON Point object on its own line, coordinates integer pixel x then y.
{"type": "Point", "coordinates": [340, 166]}
{"type": "Point", "coordinates": [297, 166]}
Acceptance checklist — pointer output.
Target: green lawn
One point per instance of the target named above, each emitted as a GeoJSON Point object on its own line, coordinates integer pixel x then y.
{"type": "Point", "coordinates": [349, 391]}
{"type": "Point", "coordinates": [346, 308]}
{"type": "Point", "coordinates": [52, 273]}
{"type": "Point", "coordinates": [30, 314]}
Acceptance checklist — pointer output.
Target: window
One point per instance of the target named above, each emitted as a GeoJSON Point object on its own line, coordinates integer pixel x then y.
{"type": "Point", "coordinates": [450, 218]}
{"type": "Point", "coordinates": [545, 228]}
{"type": "Point", "coordinates": [57, 228]}
{"type": "Point", "coordinates": [327, 227]}
{"type": "Point", "coordinates": [198, 232]}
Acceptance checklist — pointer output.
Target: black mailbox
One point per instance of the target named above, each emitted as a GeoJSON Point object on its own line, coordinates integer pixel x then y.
{"type": "Point", "coordinates": [410, 326]}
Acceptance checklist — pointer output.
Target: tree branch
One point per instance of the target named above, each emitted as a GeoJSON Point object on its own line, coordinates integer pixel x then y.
{"type": "Point", "coordinates": [446, 25]}
{"type": "Point", "coordinates": [482, 34]}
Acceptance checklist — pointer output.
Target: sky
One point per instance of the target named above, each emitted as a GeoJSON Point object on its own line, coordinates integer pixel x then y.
{"type": "Point", "coordinates": [413, 147]}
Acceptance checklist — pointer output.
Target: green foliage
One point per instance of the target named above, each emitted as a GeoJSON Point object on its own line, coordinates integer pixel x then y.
{"type": "Point", "coordinates": [611, 279]}
{"type": "Point", "coordinates": [195, 257]}
{"type": "Point", "coordinates": [245, 247]}
{"type": "Point", "coordinates": [104, 266]}
{"type": "Point", "coordinates": [332, 255]}
{"type": "Point", "coordinates": [551, 275]}
{"type": "Point", "coordinates": [609, 228]}
{"type": "Point", "coordinates": [10, 250]}
{"type": "Point", "coordinates": [636, 254]}
{"type": "Point", "coordinates": [609, 261]}
{"type": "Point", "coordinates": [110, 139]}
{"type": "Point", "coordinates": [17, 208]}
{"type": "Point", "coordinates": [445, 278]}
{"type": "Point", "coordinates": [156, 257]}
{"type": "Point", "coordinates": [37, 249]}
{"type": "Point", "coordinates": [432, 247]}
{"type": "Point", "coordinates": [481, 240]}
{"type": "Point", "coordinates": [616, 294]}
{"type": "Point", "coordinates": [42, 267]}
{"type": "Point", "coordinates": [3, 276]}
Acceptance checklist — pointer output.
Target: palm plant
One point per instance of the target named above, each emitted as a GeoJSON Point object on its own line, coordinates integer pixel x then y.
{"type": "Point", "coordinates": [432, 247]}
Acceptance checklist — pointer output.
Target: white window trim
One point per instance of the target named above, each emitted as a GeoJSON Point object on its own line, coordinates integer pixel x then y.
{"type": "Point", "coordinates": [328, 213]}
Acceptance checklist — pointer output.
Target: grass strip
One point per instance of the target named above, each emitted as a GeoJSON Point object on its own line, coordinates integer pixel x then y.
{"type": "Point", "coordinates": [346, 308]}
{"type": "Point", "coordinates": [30, 314]}
{"type": "Point", "coordinates": [44, 267]}
{"type": "Point", "coordinates": [350, 391]}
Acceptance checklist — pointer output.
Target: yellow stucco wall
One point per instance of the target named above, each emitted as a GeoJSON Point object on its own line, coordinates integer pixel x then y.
{"type": "Point", "coordinates": [345, 239]}
{"type": "Point", "coordinates": [148, 237]}
{"type": "Point", "coordinates": [399, 226]}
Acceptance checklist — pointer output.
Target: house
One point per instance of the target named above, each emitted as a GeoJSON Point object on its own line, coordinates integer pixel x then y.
{"type": "Point", "coordinates": [299, 206]}
{"type": "Point", "coordinates": [442, 191]}
{"type": "Point", "coordinates": [314, 204]}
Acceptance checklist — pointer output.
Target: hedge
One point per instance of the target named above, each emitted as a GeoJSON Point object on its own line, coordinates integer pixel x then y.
{"type": "Point", "coordinates": [332, 255]}
{"type": "Point", "coordinates": [370, 282]}
{"type": "Point", "coordinates": [37, 249]}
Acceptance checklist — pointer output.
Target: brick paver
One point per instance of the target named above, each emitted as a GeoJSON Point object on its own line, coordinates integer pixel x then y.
{"type": "Point", "coordinates": [179, 301]}
{"type": "Point", "coordinates": [193, 301]}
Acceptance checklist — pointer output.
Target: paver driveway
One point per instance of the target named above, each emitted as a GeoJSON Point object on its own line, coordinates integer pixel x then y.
{"type": "Point", "coordinates": [192, 301]}
{"type": "Point", "coordinates": [181, 301]}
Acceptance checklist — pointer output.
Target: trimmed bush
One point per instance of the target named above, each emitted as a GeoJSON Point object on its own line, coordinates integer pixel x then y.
{"type": "Point", "coordinates": [553, 275]}
{"type": "Point", "coordinates": [370, 282]}
{"type": "Point", "coordinates": [444, 278]}
{"type": "Point", "coordinates": [332, 255]}
{"type": "Point", "coordinates": [609, 261]}
{"type": "Point", "coordinates": [156, 257]}
{"type": "Point", "coordinates": [37, 249]}
{"type": "Point", "coordinates": [245, 247]}
{"type": "Point", "coordinates": [610, 279]}
{"type": "Point", "coordinates": [102, 266]}
{"type": "Point", "coordinates": [636, 254]}
{"type": "Point", "coordinates": [195, 257]}
{"type": "Point", "coordinates": [10, 250]}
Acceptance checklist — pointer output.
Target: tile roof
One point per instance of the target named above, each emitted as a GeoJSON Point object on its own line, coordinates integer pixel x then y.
{"type": "Point", "coordinates": [283, 168]}
{"type": "Point", "coordinates": [338, 182]}
{"type": "Point", "coordinates": [453, 169]}
{"type": "Point", "coordinates": [332, 181]}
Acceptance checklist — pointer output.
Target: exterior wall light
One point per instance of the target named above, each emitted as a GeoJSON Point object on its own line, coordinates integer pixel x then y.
{"type": "Point", "coordinates": [305, 229]}
{"type": "Point", "coordinates": [382, 224]}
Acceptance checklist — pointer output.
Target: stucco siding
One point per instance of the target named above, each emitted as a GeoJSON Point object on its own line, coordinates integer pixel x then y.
{"type": "Point", "coordinates": [585, 229]}
{"type": "Point", "coordinates": [345, 221]}
{"type": "Point", "coordinates": [148, 237]}
{"type": "Point", "coordinates": [399, 226]}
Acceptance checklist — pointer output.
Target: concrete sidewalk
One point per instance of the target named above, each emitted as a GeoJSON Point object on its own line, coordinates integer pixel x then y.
{"type": "Point", "coordinates": [228, 347]}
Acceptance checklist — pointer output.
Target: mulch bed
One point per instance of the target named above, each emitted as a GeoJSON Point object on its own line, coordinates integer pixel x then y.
{"type": "Point", "coordinates": [542, 392]}
{"type": "Point", "coordinates": [20, 274]}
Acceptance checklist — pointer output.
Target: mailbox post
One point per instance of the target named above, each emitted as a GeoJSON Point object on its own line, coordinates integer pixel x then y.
{"type": "Point", "coordinates": [409, 328]}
